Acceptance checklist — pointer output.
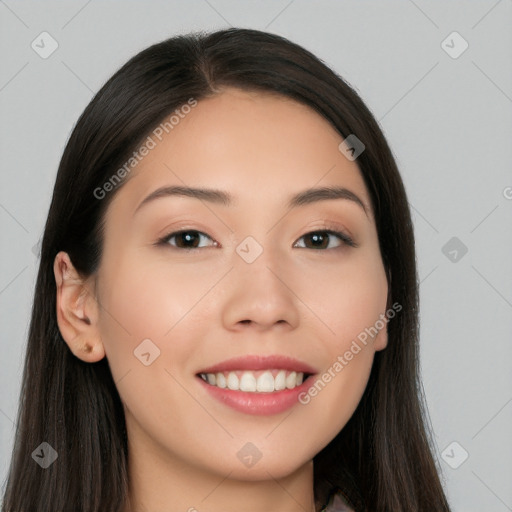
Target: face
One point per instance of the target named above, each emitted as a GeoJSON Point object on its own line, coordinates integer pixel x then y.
{"type": "Point", "coordinates": [187, 284]}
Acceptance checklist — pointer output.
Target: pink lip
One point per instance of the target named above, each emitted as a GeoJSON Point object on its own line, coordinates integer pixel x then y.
{"type": "Point", "coordinates": [258, 403]}
{"type": "Point", "coordinates": [256, 363]}
{"type": "Point", "coordinates": [262, 404]}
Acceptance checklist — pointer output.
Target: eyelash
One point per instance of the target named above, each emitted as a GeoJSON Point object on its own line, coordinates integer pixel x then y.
{"type": "Point", "coordinates": [344, 238]}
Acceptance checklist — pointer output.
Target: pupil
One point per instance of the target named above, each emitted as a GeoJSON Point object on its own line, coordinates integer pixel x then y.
{"type": "Point", "coordinates": [317, 239]}
{"type": "Point", "coordinates": [189, 236]}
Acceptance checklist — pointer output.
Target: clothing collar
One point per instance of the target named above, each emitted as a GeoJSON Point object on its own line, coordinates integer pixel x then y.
{"type": "Point", "coordinates": [337, 503]}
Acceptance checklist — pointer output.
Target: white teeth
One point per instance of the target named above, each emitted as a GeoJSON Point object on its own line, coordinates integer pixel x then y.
{"type": "Point", "coordinates": [221, 380]}
{"type": "Point", "coordinates": [233, 382]}
{"type": "Point", "coordinates": [280, 381]}
{"type": "Point", "coordinates": [291, 380]}
{"type": "Point", "coordinates": [267, 381]}
{"type": "Point", "coordinates": [248, 382]}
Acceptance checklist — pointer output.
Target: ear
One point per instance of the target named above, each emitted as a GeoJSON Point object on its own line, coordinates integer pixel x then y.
{"type": "Point", "coordinates": [381, 339]}
{"type": "Point", "coordinates": [77, 311]}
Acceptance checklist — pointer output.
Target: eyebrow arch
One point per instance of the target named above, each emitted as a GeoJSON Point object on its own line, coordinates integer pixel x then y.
{"type": "Point", "coordinates": [304, 197]}
{"type": "Point", "coordinates": [312, 195]}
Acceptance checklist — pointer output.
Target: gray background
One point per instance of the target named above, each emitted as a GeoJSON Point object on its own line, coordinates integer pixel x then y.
{"type": "Point", "coordinates": [448, 121]}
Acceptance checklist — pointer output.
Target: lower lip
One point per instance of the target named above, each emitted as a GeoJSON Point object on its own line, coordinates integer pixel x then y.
{"type": "Point", "coordinates": [262, 404]}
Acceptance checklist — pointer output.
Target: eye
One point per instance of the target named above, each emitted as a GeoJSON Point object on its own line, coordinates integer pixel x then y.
{"type": "Point", "coordinates": [320, 239]}
{"type": "Point", "coordinates": [186, 239]}
{"type": "Point", "coordinates": [325, 239]}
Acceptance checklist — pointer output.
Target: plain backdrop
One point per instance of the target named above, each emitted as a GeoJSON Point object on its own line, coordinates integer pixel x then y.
{"type": "Point", "coordinates": [446, 111]}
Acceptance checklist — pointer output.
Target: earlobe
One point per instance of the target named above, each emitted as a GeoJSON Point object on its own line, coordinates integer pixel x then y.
{"type": "Point", "coordinates": [77, 311]}
{"type": "Point", "coordinates": [381, 340]}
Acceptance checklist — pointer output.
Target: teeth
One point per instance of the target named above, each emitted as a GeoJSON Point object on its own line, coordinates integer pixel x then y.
{"type": "Point", "coordinates": [221, 380]}
{"type": "Point", "coordinates": [280, 381]}
{"type": "Point", "coordinates": [291, 380]}
{"type": "Point", "coordinates": [248, 382]}
{"type": "Point", "coordinates": [265, 381]}
{"type": "Point", "coordinates": [233, 382]}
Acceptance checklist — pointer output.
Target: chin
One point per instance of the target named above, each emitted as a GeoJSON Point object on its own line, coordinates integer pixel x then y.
{"type": "Point", "coordinates": [271, 469]}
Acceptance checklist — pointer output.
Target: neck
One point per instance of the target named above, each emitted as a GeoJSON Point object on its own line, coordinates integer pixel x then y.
{"type": "Point", "coordinates": [195, 492]}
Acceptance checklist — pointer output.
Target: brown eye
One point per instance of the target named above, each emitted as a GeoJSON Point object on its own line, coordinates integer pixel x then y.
{"type": "Point", "coordinates": [325, 239]}
{"type": "Point", "coordinates": [189, 239]}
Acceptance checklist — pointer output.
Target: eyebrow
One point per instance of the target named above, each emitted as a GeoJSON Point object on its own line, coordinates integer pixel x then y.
{"type": "Point", "coordinates": [302, 198]}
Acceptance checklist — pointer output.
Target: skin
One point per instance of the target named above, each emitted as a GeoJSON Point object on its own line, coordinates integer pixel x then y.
{"type": "Point", "coordinates": [206, 305]}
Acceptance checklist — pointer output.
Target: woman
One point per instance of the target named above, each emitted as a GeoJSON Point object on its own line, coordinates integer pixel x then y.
{"type": "Point", "coordinates": [226, 310]}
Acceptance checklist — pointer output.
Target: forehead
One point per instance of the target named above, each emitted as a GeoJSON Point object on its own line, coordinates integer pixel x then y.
{"type": "Point", "coordinates": [255, 145]}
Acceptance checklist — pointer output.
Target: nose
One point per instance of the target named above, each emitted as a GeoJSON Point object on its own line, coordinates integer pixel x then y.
{"type": "Point", "coordinates": [260, 296]}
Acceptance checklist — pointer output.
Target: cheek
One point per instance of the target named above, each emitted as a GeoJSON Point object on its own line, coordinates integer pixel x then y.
{"type": "Point", "coordinates": [339, 391]}
{"type": "Point", "coordinates": [347, 299]}
{"type": "Point", "coordinates": [150, 295]}
{"type": "Point", "coordinates": [350, 301]}
{"type": "Point", "coordinates": [144, 301]}
{"type": "Point", "coordinates": [151, 302]}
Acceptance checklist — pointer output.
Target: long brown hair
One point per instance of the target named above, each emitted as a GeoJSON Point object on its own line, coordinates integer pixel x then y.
{"type": "Point", "coordinates": [382, 460]}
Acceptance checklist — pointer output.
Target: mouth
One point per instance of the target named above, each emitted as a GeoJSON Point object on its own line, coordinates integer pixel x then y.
{"type": "Point", "coordinates": [261, 381]}
{"type": "Point", "coordinates": [260, 385]}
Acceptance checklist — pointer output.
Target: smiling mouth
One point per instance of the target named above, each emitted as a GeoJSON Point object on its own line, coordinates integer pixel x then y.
{"type": "Point", "coordinates": [262, 381]}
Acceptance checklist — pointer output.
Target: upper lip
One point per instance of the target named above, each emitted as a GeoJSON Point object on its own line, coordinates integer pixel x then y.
{"type": "Point", "coordinates": [256, 362]}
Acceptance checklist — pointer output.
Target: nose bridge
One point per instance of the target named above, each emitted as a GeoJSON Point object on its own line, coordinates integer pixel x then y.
{"type": "Point", "coordinates": [258, 293]}
{"type": "Point", "coordinates": [261, 262]}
